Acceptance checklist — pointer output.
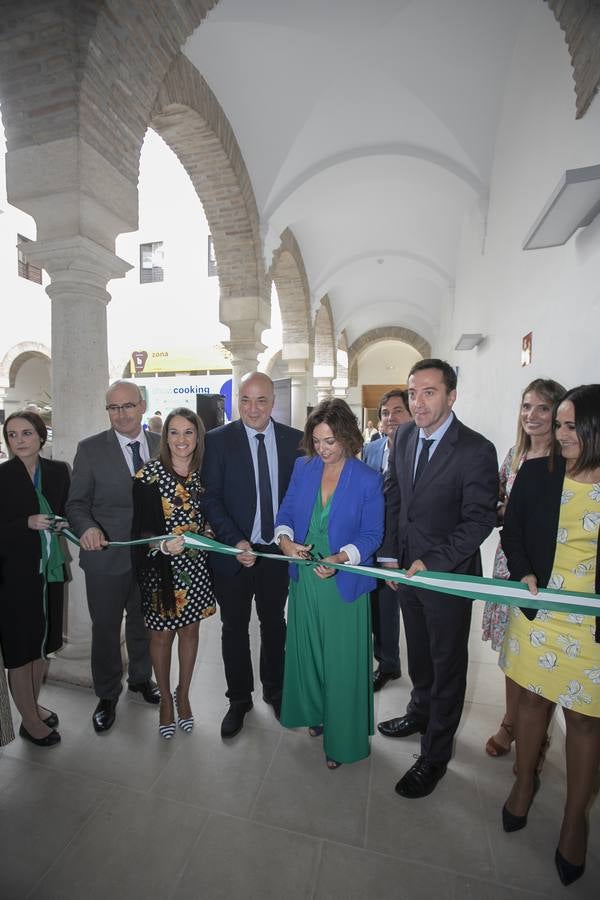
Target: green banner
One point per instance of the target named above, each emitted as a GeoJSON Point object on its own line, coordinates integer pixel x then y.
{"type": "Point", "coordinates": [471, 587]}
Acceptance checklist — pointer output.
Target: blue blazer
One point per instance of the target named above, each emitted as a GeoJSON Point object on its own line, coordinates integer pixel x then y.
{"type": "Point", "coordinates": [373, 453]}
{"type": "Point", "coordinates": [356, 516]}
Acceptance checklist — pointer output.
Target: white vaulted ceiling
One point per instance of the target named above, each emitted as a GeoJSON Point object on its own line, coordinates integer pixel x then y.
{"type": "Point", "coordinates": [368, 129]}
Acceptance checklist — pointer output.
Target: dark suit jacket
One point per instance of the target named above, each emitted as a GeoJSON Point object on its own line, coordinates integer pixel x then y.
{"type": "Point", "coordinates": [355, 517]}
{"type": "Point", "coordinates": [101, 497]}
{"type": "Point", "coordinates": [20, 548]}
{"type": "Point", "coordinates": [229, 501]}
{"type": "Point", "coordinates": [452, 508]}
{"type": "Point", "coordinates": [531, 523]}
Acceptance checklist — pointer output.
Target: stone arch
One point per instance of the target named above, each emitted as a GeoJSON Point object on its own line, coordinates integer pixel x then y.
{"type": "Point", "coordinates": [189, 118]}
{"type": "Point", "coordinates": [324, 366]}
{"type": "Point", "coordinates": [580, 22]}
{"type": "Point", "coordinates": [106, 69]}
{"type": "Point", "coordinates": [17, 356]}
{"type": "Point", "coordinates": [386, 333]}
{"type": "Point", "coordinates": [289, 275]}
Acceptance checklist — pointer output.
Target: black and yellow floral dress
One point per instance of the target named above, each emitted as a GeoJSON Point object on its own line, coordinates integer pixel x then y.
{"type": "Point", "coordinates": [176, 590]}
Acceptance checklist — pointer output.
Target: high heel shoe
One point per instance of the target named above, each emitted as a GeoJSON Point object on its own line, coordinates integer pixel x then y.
{"type": "Point", "coordinates": [510, 822]}
{"type": "Point", "coordinates": [315, 730]}
{"type": "Point", "coordinates": [567, 872]}
{"type": "Point", "coordinates": [167, 731]}
{"type": "Point", "coordinates": [332, 763]}
{"type": "Point", "coordinates": [186, 725]}
{"type": "Point", "coordinates": [49, 741]}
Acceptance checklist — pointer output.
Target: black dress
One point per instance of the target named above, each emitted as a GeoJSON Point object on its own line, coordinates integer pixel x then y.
{"type": "Point", "coordinates": [23, 623]}
{"type": "Point", "coordinates": [176, 590]}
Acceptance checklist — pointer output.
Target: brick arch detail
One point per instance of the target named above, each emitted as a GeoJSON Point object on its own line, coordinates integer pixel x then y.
{"type": "Point", "coordinates": [289, 276]}
{"type": "Point", "coordinates": [387, 333]}
{"type": "Point", "coordinates": [325, 355]}
{"type": "Point", "coordinates": [99, 66]}
{"type": "Point", "coordinates": [189, 118]}
{"type": "Point", "coordinates": [580, 22]}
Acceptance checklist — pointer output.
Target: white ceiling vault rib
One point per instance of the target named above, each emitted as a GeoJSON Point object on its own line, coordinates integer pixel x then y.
{"type": "Point", "coordinates": [368, 130]}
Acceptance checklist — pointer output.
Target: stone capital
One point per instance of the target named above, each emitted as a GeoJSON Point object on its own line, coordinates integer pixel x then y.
{"type": "Point", "coordinates": [77, 265]}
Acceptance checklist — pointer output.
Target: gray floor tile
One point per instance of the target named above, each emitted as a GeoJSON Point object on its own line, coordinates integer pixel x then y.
{"type": "Point", "coordinates": [267, 795]}
{"type": "Point", "coordinates": [223, 776]}
{"type": "Point", "coordinates": [40, 812]}
{"type": "Point", "coordinates": [525, 859]}
{"type": "Point", "coordinates": [234, 858]}
{"type": "Point", "coordinates": [131, 753]}
{"type": "Point", "coordinates": [347, 873]}
{"type": "Point", "coordinates": [404, 828]}
{"type": "Point", "coordinates": [134, 846]}
{"type": "Point", "coordinates": [302, 794]}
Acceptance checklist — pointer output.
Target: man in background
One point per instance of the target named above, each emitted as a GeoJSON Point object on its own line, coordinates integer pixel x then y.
{"type": "Point", "coordinates": [385, 608]}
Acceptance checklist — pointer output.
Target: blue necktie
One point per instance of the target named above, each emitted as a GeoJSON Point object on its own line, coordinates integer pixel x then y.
{"type": "Point", "coordinates": [423, 458]}
{"type": "Point", "coordinates": [265, 495]}
{"type": "Point", "coordinates": [138, 462]}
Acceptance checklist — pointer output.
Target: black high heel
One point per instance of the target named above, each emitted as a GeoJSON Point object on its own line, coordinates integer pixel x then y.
{"type": "Point", "coordinates": [49, 741]}
{"type": "Point", "coordinates": [510, 822]}
{"type": "Point", "coordinates": [567, 872]}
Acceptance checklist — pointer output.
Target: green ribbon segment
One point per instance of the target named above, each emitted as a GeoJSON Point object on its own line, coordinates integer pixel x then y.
{"type": "Point", "coordinates": [471, 587]}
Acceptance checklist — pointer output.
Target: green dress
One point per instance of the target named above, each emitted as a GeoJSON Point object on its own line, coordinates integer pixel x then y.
{"type": "Point", "coordinates": [328, 656]}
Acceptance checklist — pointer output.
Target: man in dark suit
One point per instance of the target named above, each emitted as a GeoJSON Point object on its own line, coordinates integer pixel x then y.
{"type": "Point", "coordinates": [385, 610]}
{"type": "Point", "coordinates": [246, 469]}
{"type": "Point", "coordinates": [99, 510]}
{"type": "Point", "coordinates": [441, 493]}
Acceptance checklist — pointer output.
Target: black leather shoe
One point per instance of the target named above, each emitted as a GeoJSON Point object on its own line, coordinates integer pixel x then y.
{"type": "Point", "coordinates": [275, 702]}
{"type": "Point", "coordinates": [567, 872]}
{"type": "Point", "coordinates": [421, 779]}
{"type": "Point", "coordinates": [401, 727]}
{"type": "Point", "coordinates": [104, 715]}
{"type": "Point", "coordinates": [234, 718]}
{"type": "Point", "coordinates": [510, 822]}
{"type": "Point", "coordinates": [148, 690]}
{"type": "Point", "coordinates": [49, 741]}
{"type": "Point", "coordinates": [380, 679]}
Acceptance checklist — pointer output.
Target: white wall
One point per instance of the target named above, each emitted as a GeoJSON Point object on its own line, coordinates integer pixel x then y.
{"type": "Point", "coordinates": [505, 292]}
{"type": "Point", "coordinates": [387, 362]}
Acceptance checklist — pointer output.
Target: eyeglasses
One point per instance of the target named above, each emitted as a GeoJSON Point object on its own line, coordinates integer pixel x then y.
{"type": "Point", "coordinates": [124, 407]}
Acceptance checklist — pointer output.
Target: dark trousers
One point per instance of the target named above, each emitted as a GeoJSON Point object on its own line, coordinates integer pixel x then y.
{"type": "Point", "coordinates": [109, 597]}
{"type": "Point", "coordinates": [385, 613]}
{"type": "Point", "coordinates": [267, 581]}
{"type": "Point", "coordinates": [437, 635]}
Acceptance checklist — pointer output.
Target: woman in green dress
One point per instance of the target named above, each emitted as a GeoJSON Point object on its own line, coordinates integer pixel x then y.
{"type": "Point", "coordinates": [333, 510]}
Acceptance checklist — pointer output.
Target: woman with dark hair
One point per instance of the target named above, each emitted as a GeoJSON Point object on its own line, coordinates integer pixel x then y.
{"type": "Point", "coordinates": [333, 511]}
{"type": "Point", "coordinates": [535, 437]}
{"type": "Point", "coordinates": [550, 538]}
{"type": "Point", "coordinates": [34, 491]}
{"type": "Point", "coordinates": [174, 580]}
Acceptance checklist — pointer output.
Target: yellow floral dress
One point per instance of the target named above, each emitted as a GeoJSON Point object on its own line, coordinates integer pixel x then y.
{"type": "Point", "coordinates": [556, 655]}
{"type": "Point", "coordinates": [191, 581]}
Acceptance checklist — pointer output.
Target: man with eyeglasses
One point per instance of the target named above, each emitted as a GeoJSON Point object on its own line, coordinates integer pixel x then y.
{"type": "Point", "coordinates": [100, 509]}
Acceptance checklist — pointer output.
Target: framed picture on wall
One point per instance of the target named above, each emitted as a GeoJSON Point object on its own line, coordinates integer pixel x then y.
{"type": "Point", "coordinates": [526, 349]}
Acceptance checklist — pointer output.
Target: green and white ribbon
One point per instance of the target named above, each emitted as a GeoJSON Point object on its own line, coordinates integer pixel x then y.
{"type": "Point", "coordinates": [471, 587]}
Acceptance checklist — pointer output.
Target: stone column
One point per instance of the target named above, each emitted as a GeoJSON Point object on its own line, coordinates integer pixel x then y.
{"type": "Point", "coordinates": [79, 270]}
{"type": "Point", "coordinates": [246, 318]}
{"type": "Point", "coordinates": [297, 370]}
{"type": "Point", "coordinates": [323, 388]}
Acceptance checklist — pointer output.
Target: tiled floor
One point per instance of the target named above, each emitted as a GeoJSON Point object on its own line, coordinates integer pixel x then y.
{"type": "Point", "coordinates": [127, 815]}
